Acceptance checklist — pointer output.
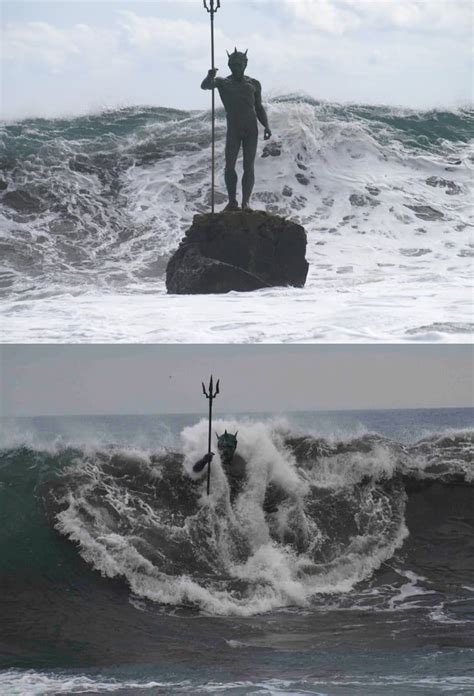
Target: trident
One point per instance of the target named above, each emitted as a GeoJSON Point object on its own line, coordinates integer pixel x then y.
{"type": "Point", "coordinates": [212, 9]}
{"type": "Point", "coordinates": [210, 395]}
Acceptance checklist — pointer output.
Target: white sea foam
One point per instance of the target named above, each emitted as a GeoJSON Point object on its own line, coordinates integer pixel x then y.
{"type": "Point", "coordinates": [378, 273]}
{"type": "Point", "coordinates": [35, 683]}
{"type": "Point", "coordinates": [408, 591]}
{"type": "Point", "coordinates": [15, 682]}
{"type": "Point", "coordinates": [275, 573]}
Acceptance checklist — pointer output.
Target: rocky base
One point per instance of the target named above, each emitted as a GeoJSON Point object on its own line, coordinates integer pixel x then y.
{"type": "Point", "coordinates": [243, 251]}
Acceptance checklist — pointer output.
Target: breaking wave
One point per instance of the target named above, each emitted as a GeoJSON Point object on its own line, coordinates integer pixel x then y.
{"type": "Point", "coordinates": [101, 201]}
{"type": "Point", "coordinates": [316, 519]}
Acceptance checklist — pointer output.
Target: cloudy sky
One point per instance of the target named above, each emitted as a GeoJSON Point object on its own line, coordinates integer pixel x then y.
{"type": "Point", "coordinates": [76, 56]}
{"type": "Point", "coordinates": [127, 379]}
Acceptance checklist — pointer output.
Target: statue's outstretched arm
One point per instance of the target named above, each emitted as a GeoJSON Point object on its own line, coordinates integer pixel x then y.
{"type": "Point", "coordinates": [207, 459]}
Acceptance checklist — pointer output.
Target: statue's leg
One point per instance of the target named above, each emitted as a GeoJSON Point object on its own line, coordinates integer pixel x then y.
{"type": "Point", "coordinates": [232, 147]}
{"type": "Point", "coordinates": [248, 179]}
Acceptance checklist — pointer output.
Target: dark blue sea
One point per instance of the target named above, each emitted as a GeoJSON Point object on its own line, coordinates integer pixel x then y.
{"type": "Point", "coordinates": [345, 564]}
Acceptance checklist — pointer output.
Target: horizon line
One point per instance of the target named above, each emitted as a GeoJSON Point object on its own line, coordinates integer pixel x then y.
{"type": "Point", "coordinates": [245, 413]}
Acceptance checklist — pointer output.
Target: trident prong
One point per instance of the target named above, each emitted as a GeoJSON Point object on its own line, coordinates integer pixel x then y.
{"type": "Point", "coordinates": [209, 393]}
{"type": "Point", "coordinates": [212, 8]}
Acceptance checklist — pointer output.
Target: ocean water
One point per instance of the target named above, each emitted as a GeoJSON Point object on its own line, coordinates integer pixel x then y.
{"type": "Point", "coordinates": [345, 565]}
{"type": "Point", "coordinates": [91, 208]}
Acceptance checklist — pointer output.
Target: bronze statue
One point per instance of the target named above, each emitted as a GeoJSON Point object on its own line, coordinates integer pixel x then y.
{"type": "Point", "coordinates": [235, 469]}
{"type": "Point", "coordinates": [242, 100]}
{"type": "Point", "coordinates": [233, 464]}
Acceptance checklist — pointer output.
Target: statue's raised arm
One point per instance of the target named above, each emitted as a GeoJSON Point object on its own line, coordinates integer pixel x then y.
{"type": "Point", "coordinates": [211, 81]}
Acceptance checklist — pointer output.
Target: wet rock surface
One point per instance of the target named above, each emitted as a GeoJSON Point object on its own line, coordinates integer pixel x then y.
{"type": "Point", "coordinates": [426, 212]}
{"type": "Point", "coordinates": [240, 251]}
{"type": "Point", "coordinates": [302, 179]}
{"type": "Point", "coordinates": [452, 189]}
{"type": "Point", "coordinates": [272, 149]}
{"type": "Point", "coordinates": [361, 200]}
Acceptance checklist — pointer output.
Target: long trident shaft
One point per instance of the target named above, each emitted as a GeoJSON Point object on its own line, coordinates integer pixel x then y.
{"type": "Point", "coordinates": [212, 6]}
{"type": "Point", "coordinates": [210, 395]}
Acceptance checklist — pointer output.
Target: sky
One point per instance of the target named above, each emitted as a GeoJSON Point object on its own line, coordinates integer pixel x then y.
{"type": "Point", "coordinates": [77, 56]}
{"type": "Point", "coordinates": [148, 379]}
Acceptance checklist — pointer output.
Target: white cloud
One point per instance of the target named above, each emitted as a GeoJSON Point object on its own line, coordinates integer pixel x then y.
{"type": "Point", "coordinates": [131, 37]}
{"type": "Point", "coordinates": [159, 34]}
{"type": "Point", "coordinates": [358, 50]}
{"type": "Point", "coordinates": [43, 43]}
{"type": "Point", "coordinates": [38, 41]}
{"type": "Point", "coordinates": [343, 16]}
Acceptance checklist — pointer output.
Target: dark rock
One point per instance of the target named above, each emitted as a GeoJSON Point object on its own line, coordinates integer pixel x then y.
{"type": "Point", "coordinates": [373, 190]}
{"type": "Point", "coordinates": [302, 179]}
{"type": "Point", "coordinates": [298, 202]}
{"type": "Point", "coordinates": [3, 185]}
{"type": "Point", "coordinates": [240, 251]}
{"type": "Point", "coordinates": [287, 191]}
{"type": "Point", "coordinates": [22, 202]}
{"type": "Point", "coordinates": [438, 181]}
{"type": "Point", "coordinates": [190, 273]}
{"type": "Point", "coordinates": [272, 149]}
{"type": "Point", "coordinates": [447, 327]}
{"type": "Point", "coordinates": [452, 189]}
{"type": "Point", "coordinates": [426, 212]}
{"type": "Point", "coordinates": [360, 199]}
{"type": "Point", "coordinates": [266, 197]}
{"type": "Point", "coordinates": [415, 252]}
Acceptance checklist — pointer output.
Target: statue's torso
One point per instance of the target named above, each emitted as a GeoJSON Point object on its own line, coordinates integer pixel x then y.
{"type": "Point", "coordinates": [236, 473]}
{"type": "Point", "coordinates": [238, 97]}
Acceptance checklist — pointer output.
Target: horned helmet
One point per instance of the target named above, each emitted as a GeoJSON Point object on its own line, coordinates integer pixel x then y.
{"type": "Point", "coordinates": [227, 444]}
{"type": "Point", "coordinates": [237, 57]}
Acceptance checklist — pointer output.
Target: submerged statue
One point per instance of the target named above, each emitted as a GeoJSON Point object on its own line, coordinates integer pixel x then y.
{"type": "Point", "coordinates": [242, 100]}
{"type": "Point", "coordinates": [234, 466]}
{"type": "Point", "coordinates": [235, 469]}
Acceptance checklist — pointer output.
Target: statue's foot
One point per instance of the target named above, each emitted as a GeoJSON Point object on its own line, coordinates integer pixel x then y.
{"type": "Point", "coordinates": [231, 205]}
{"type": "Point", "coordinates": [247, 208]}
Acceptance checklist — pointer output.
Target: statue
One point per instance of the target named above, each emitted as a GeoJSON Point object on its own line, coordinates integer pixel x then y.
{"type": "Point", "coordinates": [235, 469]}
{"type": "Point", "coordinates": [242, 100]}
{"type": "Point", "coordinates": [234, 466]}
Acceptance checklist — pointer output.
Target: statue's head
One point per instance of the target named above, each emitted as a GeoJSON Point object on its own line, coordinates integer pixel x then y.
{"type": "Point", "coordinates": [237, 63]}
{"type": "Point", "coordinates": [226, 444]}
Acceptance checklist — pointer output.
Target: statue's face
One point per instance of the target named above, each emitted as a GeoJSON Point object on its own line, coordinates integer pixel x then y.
{"type": "Point", "coordinates": [237, 65]}
{"type": "Point", "coordinates": [227, 444]}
